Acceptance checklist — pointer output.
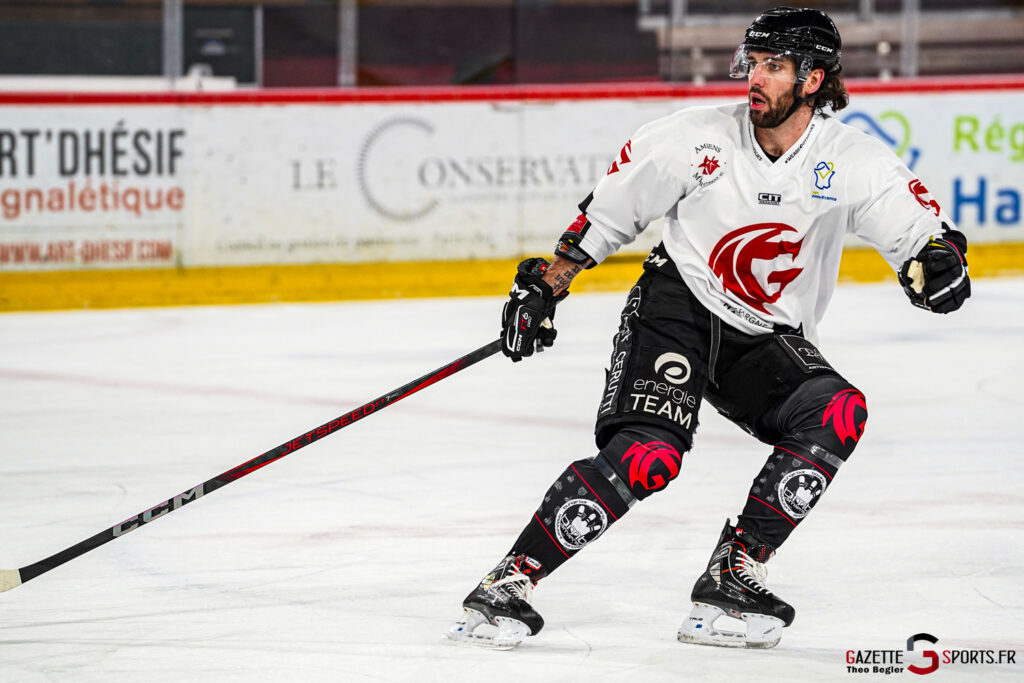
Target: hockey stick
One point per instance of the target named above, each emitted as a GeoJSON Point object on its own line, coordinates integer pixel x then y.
{"type": "Point", "coordinates": [12, 578]}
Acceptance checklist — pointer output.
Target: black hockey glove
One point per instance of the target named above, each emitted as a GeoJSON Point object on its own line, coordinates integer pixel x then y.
{"type": "Point", "coordinates": [936, 279]}
{"type": "Point", "coordinates": [526, 318]}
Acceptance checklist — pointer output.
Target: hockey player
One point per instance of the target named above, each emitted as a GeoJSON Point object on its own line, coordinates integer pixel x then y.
{"type": "Point", "coordinates": [758, 197]}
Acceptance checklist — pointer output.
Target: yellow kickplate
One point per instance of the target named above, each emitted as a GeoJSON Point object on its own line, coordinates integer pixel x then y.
{"type": "Point", "coordinates": [42, 291]}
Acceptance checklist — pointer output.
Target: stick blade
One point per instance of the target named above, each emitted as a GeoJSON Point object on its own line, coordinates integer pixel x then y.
{"type": "Point", "coordinates": [9, 578]}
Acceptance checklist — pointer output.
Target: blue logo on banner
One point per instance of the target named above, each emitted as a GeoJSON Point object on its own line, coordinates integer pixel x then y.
{"type": "Point", "coordinates": [890, 127]}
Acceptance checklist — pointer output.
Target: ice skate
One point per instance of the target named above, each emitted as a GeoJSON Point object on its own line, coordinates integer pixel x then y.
{"type": "Point", "coordinates": [498, 611]}
{"type": "Point", "coordinates": [732, 593]}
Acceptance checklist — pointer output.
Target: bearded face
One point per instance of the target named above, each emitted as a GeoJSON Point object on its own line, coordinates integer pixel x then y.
{"type": "Point", "coordinates": [768, 110]}
{"type": "Point", "coordinates": [770, 90]}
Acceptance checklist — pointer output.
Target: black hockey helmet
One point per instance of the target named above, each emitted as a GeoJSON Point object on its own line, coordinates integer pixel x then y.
{"type": "Point", "coordinates": [806, 35]}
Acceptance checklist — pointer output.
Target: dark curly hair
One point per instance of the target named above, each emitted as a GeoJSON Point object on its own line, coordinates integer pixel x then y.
{"type": "Point", "coordinates": [832, 92]}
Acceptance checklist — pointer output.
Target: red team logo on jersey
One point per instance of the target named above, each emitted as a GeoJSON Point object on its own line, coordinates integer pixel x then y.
{"type": "Point", "coordinates": [923, 196]}
{"type": "Point", "coordinates": [732, 261]}
{"type": "Point", "coordinates": [708, 166]}
{"type": "Point", "coordinates": [841, 411]}
{"type": "Point", "coordinates": [657, 454]}
{"type": "Point", "coordinates": [623, 159]}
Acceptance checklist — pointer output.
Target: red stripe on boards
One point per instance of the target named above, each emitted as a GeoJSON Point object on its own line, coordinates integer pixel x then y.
{"type": "Point", "coordinates": [440, 94]}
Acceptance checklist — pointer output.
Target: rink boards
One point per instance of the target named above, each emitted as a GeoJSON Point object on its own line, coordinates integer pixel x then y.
{"type": "Point", "coordinates": [246, 196]}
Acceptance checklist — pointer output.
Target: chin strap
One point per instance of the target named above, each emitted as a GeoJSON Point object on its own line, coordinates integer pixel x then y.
{"type": "Point", "coordinates": [797, 101]}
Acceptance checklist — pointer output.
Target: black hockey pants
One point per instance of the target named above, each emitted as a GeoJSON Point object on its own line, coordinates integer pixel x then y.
{"type": "Point", "coordinates": [670, 352]}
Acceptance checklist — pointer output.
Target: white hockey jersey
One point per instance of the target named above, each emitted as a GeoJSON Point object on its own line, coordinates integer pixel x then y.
{"type": "Point", "coordinates": [757, 242]}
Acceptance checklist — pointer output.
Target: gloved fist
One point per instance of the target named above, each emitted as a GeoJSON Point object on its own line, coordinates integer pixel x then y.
{"type": "Point", "coordinates": [526, 318]}
{"type": "Point", "coordinates": [936, 279]}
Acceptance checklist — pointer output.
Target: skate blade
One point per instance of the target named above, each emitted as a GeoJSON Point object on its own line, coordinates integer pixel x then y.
{"type": "Point", "coordinates": [762, 631]}
{"type": "Point", "coordinates": [476, 631]}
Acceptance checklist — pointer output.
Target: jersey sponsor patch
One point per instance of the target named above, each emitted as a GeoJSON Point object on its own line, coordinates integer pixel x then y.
{"type": "Point", "coordinates": [708, 164]}
{"type": "Point", "coordinates": [824, 171]}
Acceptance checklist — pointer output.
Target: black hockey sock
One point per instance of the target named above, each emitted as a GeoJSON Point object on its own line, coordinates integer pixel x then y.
{"type": "Point", "coordinates": [575, 511]}
{"type": "Point", "coordinates": [785, 490]}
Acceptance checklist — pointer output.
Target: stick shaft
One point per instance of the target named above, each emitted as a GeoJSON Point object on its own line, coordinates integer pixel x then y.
{"type": "Point", "coordinates": [10, 578]}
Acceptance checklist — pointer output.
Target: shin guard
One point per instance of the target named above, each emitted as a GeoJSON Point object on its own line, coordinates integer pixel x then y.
{"type": "Point", "coordinates": [786, 489]}
{"type": "Point", "coordinates": [822, 422]}
{"type": "Point", "coordinates": [578, 508]}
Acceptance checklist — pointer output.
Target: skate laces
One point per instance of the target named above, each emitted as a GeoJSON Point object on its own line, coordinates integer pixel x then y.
{"type": "Point", "coordinates": [759, 571]}
{"type": "Point", "coordinates": [752, 568]}
{"type": "Point", "coordinates": [515, 585]}
{"type": "Point", "coordinates": [755, 573]}
{"type": "Point", "coordinates": [509, 579]}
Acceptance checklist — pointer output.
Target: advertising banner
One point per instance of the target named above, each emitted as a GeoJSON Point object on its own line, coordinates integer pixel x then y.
{"type": "Point", "coordinates": [85, 187]}
{"type": "Point", "coordinates": [404, 182]}
{"type": "Point", "coordinates": [967, 148]}
{"type": "Point", "coordinates": [213, 183]}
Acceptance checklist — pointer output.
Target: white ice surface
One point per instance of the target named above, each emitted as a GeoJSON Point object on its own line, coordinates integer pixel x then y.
{"type": "Point", "coordinates": [346, 560]}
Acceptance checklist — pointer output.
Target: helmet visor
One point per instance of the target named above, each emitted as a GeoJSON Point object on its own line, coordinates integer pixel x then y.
{"type": "Point", "coordinates": [787, 66]}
